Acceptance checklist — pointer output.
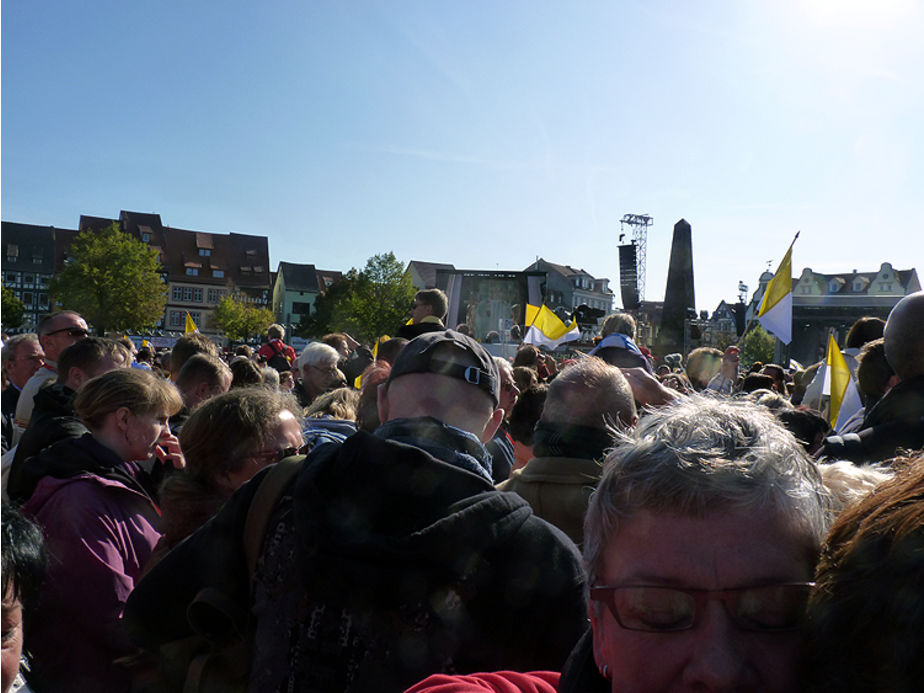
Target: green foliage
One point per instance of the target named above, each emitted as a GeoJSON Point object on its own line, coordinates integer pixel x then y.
{"type": "Point", "coordinates": [12, 310]}
{"type": "Point", "coordinates": [321, 320]}
{"type": "Point", "coordinates": [366, 304]}
{"type": "Point", "coordinates": [758, 345]}
{"type": "Point", "coordinates": [241, 321]}
{"type": "Point", "coordinates": [113, 281]}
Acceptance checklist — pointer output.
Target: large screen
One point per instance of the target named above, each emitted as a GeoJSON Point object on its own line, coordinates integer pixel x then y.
{"type": "Point", "coordinates": [489, 301]}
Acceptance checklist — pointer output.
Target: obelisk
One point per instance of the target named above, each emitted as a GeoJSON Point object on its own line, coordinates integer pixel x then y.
{"type": "Point", "coordinates": [678, 295]}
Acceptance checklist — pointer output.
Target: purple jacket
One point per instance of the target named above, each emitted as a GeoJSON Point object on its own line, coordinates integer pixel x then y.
{"type": "Point", "coordinates": [100, 531]}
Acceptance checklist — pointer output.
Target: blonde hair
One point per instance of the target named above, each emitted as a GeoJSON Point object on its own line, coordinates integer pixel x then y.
{"type": "Point", "coordinates": [140, 391]}
{"type": "Point", "coordinates": [340, 403]}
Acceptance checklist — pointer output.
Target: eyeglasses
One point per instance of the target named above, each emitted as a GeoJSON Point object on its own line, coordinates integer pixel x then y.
{"type": "Point", "coordinates": [71, 332]}
{"type": "Point", "coordinates": [275, 455]}
{"type": "Point", "coordinates": [330, 370]}
{"type": "Point", "coordinates": [776, 607]}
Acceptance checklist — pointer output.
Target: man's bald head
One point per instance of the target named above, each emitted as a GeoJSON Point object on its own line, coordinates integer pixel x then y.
{"type": "Point", "coordinates": [904, 337]}
{"type": "Point", "coordinates": [590, 393]}
{"type": "Point", "coordinates": [446, 376]}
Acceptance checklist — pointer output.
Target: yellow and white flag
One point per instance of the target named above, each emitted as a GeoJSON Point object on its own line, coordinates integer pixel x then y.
{"type": "Point", "coordinates": [546, 329]}
{"type": "Point", "coordinates": [190, 325]}
{"type": "Point", "coordinates": [775, 314]}
{"type": "Point", "coordinates": [845, 397]}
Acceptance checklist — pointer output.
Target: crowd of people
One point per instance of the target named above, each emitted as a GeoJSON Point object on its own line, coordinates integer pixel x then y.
{"type": "Point", "coordinates": [430, 517]}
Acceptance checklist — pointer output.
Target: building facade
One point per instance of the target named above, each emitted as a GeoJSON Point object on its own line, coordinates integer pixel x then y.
{"type": "Point", "coordinates": [28, 266]}
{"type": "Point", "coordinates": [822, 303]}
{"type": "Point", "coordinates": [198, 268]}
{"type": "Point", "coordinates": [296, 290]}
{"type": "Point", "coordinates": [568, 288]}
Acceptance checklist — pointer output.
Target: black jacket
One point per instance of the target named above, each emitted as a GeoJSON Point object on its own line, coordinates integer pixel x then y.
{"type": "Point", "coordinates": [896, 422]}
{"type": "Point", "coordinates": [418, 328]}
{"type": "Point", "coordinates": [403, 564]}
{"type": "Point", "coordinates": [53, 419]}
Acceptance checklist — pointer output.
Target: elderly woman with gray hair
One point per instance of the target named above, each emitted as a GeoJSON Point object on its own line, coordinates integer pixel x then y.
{"type": "Point", "coordinates": [317, 368]}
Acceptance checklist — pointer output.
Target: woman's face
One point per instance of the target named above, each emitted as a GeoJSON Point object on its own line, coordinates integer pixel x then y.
{"type": "Point", "coordinates": [143, 431]}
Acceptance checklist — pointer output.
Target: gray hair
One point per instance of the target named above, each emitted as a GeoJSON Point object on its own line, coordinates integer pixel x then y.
{"type": "Point", "coordinates": [12, 345]}
{"type": "Point", "coordinates": [700, 454]}
{"type": "Point", "coordinates": [504, 365]}
{"type": "Point", "coordinates": [317, 354]}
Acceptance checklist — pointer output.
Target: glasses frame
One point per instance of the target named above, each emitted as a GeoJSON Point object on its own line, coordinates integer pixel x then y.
{"type": "Point", "coordinates": [70, 330]}
{"type": "Point", "coordinates": [605, 594]}
{"type": "Point", "coordinates": [277, 455]}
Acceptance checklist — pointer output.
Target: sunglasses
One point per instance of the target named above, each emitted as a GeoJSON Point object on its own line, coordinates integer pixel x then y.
{"type": "Point", "coordinates": [71, 332]}
{"type": "Point", "coordinates": [275, 455]}
{"type": "Point", "coordinates": [766, 608]}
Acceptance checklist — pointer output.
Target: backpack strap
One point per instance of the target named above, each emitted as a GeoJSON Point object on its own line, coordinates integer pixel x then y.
{"type": "Point", "coordinates": [263, 504]}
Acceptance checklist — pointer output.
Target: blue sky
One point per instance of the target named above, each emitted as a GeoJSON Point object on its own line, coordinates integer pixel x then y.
{"type": "Point", "coordinates": [483, 134]}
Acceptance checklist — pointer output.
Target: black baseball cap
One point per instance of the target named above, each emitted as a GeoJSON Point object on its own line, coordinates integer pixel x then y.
{"type": "Point", "coordinates": [427, 354]}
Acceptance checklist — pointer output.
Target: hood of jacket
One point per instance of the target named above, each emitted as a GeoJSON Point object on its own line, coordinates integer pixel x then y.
{"type": "Point", "coordinates": [54, 400]}
{"type": "Point", "coordinates": [75, 457]}
{"type": "Point", "coordinates": [393, 504]}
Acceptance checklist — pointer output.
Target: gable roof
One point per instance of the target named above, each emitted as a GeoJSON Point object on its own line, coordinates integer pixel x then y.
{"type": "Point", "coordinates": [298, 277]}
{"type": "Point", "coordinates": [427, 271]}
{"type": "Point", "coordinates": [564, 270]}
{"type": "Point", "coordinates": [27, 243]}
{"type": "Point", "coordinates": [327, 277]}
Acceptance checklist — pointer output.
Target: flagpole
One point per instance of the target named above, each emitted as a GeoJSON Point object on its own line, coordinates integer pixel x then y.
{"type": "Point", "coordinates": [526, 327]}
{"type": "Point", "coordinates": [754, 315]}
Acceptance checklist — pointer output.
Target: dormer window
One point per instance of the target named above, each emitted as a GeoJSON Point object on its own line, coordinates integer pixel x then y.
{"type": "Point", "coordinates": [218, 274]}
{"type": "Point", "coordinates": [145, 237]}
{"type": "Point", "coordinates": [192, 271]}
{"type": "Point", "coordinates": [205, 252]}
{"type": "Point", "coordinates": [12, 252]}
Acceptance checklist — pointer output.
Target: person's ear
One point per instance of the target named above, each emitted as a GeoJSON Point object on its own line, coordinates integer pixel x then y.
{"type": "Point", "coordinates": [381, 395]}
{"type": "Point", "coordinates": [122, 415]}
{"type": "Point", "coordinates": [491, 426]}
{"type": "Point", "coordinates": [76, 376]}
{"type": "Point", "coordinates": [202, 391]}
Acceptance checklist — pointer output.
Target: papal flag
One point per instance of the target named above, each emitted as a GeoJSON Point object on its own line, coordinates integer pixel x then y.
{"type": "Point", "coordinates": [775, 314]}
{"type": "Point", "coordinates": [845, 397]}
{"type": "Point", "coordinates": [546, 329]}
{"type": "Point", "coordinates": [190, 325]}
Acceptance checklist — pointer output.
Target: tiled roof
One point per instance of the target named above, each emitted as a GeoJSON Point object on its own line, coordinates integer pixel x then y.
{"type": "Point", "coordinates": [27, 243]}
{"type": "Point", "coordinates": [564, 270]}
{"type": "Point", "coordinates": [327, 277]}
{"type": "Point", "coordinates": [298, 277]}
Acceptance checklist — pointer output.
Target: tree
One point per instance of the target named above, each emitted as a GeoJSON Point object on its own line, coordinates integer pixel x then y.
{"type": "Point", "coordinates": [367, 304]}
{"type": "Point", "coordinates": [758, 345]}
{"type": "Point", "coordinates": [380, 299]}
{"type": "Point", "coordinates": [241, 321]}
{"type": "Point", "coordinates": [113, 281]}
{"type": "Point", "coordinates": [12, 309]}
{"type": "Point", "coordinates": [321, 320]}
